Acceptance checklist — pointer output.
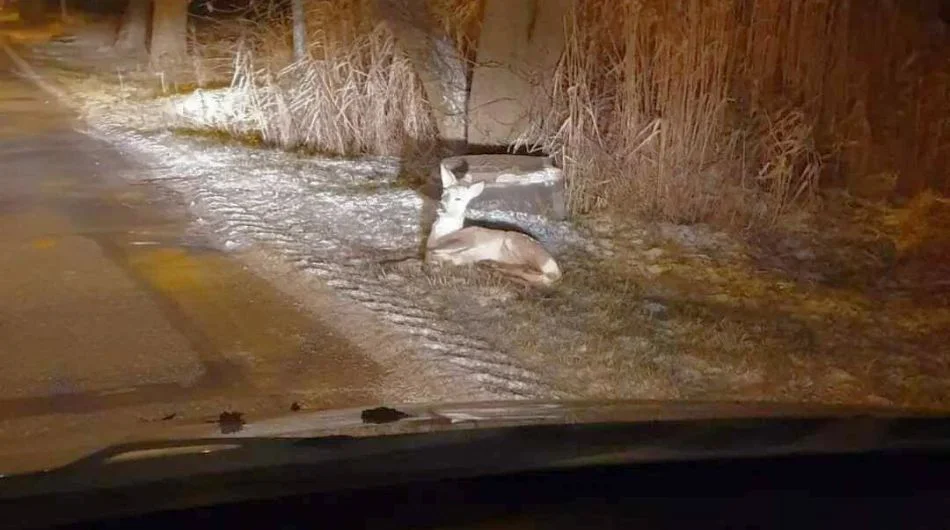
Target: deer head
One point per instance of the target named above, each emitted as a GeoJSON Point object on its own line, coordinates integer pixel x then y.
{"type": "Point", "coordinates": [455, 196]}
{"type": "Point", "coordinates": [454, 202]}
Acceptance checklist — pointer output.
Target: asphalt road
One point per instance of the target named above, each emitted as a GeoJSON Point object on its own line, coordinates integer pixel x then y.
{"type": "Point", "coordinates": [112, 313]}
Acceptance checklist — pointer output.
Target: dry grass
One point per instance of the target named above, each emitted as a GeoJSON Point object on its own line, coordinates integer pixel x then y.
{"type": "Point", "coordinates": [706, 322]}
{"type": "Point", "coordinates": [642, 114]}
{"type": "Point", "coordinates": [733, 112]}
{"type": "Point", "coordinates": [362, 98]}
{"type": "Point", "coordinates": [923, 226]}
{"type": "Point", "coordinates": [354, 93]}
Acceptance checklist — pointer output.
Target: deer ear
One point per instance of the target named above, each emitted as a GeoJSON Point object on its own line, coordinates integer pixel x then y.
{"type": "Point", "coordinates": [448, 179]}
{"type": "Point", "coordinates": [476, 189]}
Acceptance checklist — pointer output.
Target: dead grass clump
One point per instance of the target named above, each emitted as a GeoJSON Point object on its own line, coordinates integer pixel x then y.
{"type": "Point", "coordinates": [733, 111]}
{"type": "Point", "coordinates": [923, 226]}
{"type": "Point", "coordinates": [641, 113]}
{"type": "Point", "coordinates": [354, 93]}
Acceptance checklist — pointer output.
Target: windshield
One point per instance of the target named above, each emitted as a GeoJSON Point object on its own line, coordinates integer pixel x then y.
{"type": "Point", "coordinates": [248, 209]}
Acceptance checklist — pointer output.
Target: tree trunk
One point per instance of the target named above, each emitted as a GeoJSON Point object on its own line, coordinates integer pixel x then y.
{"type": "Point", "coordinates": [518, 51]}
{"type": "Point", "coordinates": [439, 65]}
{"type": "Point", "coordinates": [63, 10]}
{"type": "Point", "coordinates": [32, 12]}
{"type": "Point", "coordinates": [169, 30]}
{"type": "Point", "coordinates": [300, 30]}
{"type": "Point", "coordinates": [133, 34]}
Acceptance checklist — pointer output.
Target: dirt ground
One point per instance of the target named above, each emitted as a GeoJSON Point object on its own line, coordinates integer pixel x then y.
{"type": "Point", "coordinates": [848, 304]}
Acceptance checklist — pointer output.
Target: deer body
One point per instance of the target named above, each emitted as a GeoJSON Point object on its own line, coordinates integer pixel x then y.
{"type": "Point", "coordinates": [512, 253]}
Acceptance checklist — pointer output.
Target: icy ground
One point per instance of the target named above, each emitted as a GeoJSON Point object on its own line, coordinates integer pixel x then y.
{"type": "Point", "coordinates": [333, 219]}
{"type": "Point", "coordinates": [337, 220]}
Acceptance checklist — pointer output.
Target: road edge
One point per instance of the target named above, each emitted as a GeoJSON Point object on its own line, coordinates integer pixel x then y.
{"type": "Point", "coordinates": [401, 368]}
{"type": "Point", "coordinates": [28, 72]}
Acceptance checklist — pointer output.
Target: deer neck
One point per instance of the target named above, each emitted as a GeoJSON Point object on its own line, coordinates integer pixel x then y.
{"type": "Point", "coordinates": [445, 224]}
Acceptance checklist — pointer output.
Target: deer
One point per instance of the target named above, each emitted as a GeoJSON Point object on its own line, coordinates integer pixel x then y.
{"type": "Point", "coordinates": [511, 253]}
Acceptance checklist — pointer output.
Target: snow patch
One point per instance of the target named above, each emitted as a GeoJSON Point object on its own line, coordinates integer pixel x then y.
{"type": "Point", "coordinates": [221, 108]}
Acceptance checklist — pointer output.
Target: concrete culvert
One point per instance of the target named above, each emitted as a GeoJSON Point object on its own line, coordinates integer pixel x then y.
{"type": "Point", "coordinates": [516, 183]}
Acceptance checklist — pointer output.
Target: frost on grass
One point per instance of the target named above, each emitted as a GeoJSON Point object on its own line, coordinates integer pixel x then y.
{"type": "Point", "coordinates": [221, 108]}
{"type": "Point", "coordinates": [337, 220]}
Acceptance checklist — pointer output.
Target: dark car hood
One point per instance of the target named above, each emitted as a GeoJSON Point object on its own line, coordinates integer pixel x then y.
{"type": "Point", "coordinates": [406, 419]}
{"type": "Point", "coordinates": [367, 447]}
{"type": "Point", "coordinates": [239, 459]}
{"type": "Point", "coordinates": [409, 418]}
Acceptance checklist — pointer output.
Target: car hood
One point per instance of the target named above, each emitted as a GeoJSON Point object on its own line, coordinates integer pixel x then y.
{"type": "Point", "coordinates": [425, 417]}
{"type": "Point", "coordinates": [172, 435]}
{"type": "Point", "coordinates": [237, 458]}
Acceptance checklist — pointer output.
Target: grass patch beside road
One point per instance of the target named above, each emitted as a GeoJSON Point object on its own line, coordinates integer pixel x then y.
{"type": "Point", "coordinates": [688, 323]}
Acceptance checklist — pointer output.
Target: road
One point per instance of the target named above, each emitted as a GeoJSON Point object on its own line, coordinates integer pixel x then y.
{"type": "Point", "coordinates": [113, 313]}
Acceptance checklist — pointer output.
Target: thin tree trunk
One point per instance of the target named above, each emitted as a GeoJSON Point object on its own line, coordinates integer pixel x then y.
{"type": "Point", "coordinates": [169, 30]}
{"type": "Point", "coordinates": [300, 30]}
{"type": "Point", "coordinates": [63, 10]}
{"type": "Point", "coordinates": [133, 34]}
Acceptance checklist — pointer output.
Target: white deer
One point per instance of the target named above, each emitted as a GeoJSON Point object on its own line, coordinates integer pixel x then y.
{"type": "Point", "coordinates": [511, 253]}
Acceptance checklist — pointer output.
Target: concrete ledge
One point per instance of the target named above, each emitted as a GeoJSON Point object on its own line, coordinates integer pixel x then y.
{"type": "Point", "coordinates": [517, 183]}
